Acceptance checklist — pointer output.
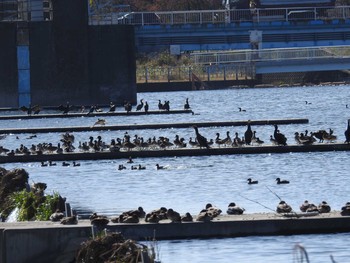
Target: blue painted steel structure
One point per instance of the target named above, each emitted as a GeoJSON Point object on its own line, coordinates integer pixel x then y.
{"type": "Point", "coordinates": [209, 37]}
{"type": "Point", "coordinates": [23, 64]}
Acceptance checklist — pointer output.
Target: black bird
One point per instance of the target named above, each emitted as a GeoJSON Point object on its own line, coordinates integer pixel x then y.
{"type": "Point", "coordinates": [202, 141]}
{"type": "Point", "coordinates": [65, 108]}
{"type": "Point", "coordinates": [112, 107]}
{"type": "Point", "coordinates": [160, 105]}
{"type": "Point", "coordinates": [248, 135]}
{"type": "Point", "coordinates": [250, 181]}
{"type": "Point", "coordinates": [127, 106]}
{"type": "Point", "coordinates": [279, 137]}
{"type": "Point", "coordinates": [347, 133]}
{"type": "Point", "coordinates": [140, 106]}
{"type": "Point", "coordinates": [187, 105]}
{"type": "Point", "coordinates": [146, 107]}
{"type": "Point", "coordinates": [279, 181]}
{"type": "Point", "coordinates": [31, 109]}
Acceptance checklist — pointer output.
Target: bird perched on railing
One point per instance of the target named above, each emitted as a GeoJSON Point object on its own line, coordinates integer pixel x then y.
{"type": "Point", "coordinates": [139, 106]}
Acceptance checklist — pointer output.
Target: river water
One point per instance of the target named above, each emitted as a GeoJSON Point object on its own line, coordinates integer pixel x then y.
{"type": "Point", "coordinates": [189, 183]}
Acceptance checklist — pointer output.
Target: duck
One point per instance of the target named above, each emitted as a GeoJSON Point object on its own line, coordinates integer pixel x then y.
{"type": "Point", "coordinates": [192, 143]}
{"type": "Point", "coordinates": [279, 137]}
{"type": "Point", "coordinates": [204, 216]}
{"type": "Point", "coordinates": [345, 210]}
{"type": "Point", "coordinates": [51, 163]}
{"type": "Point", "coordinates": [347, 133]}
{"type": "Point", "coordinates": [308, 207]}
{"type": "Point", "coordinates": [98, 220]}
{"type": "Point", "coordinates": [173, 216]}
{"type": "Point", "coordinates": [187, 105]}
{"type": "Point", "coordinates": [65, 164]}
{"type": "Point", "coordinates": [140, 167]}
{"type": "Point", "coordinates": [241, 110]}
{"type": "Point", "coordinates": [202, 141]}
{"type": "Point", "coordinates": [130, 160]}
{"type": "Point", "coordinates": [233, 209]}
{"type": "Point", "coordinates": [76, 164]}
{"type": "Point", "coordinates": [121, 167]}
{"type": "Point", "coordinates": [283, 207]}
{"type": "Point", "coordinates": [187, 218]}
{"type": "Point", "coordinates": [159, 167]}
{"type": "Point", "coordinates": [248, 135]}
{"type": "Point", "coordinates": [56, 216]}
{"type": "Point", "coordinates": [330, 137]}
{"type": "Point", "coordinates": [212, 210]}
{"type": "Point", "coordinates": [219, 141]}
{"type": "Point", "coordinates": [279, 181]}
{"type": "Point", "coordinates": [323, 207]}
{"type": "Point", "coordinates": [99, 122]}
{"type": "Point", "coordinates": [250, 181]}
{"type": "Point", "coordinates": [71, 220]}
{"type": "Point", "coordinates": [43, 164]}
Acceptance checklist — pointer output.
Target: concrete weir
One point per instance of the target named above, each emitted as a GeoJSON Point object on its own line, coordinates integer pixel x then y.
{"type": "Point", "coordinates": [319, 147]}
{"type": "Point", "coordinates": [152, 126]}
{"type": "Point", "coordinates": [93, 114]}
{"type": "Point", "coordinates": [53, 242]}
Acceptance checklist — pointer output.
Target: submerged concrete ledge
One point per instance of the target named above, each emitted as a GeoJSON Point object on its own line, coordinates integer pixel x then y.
{"type": "Point", "coordinates": [94, 114]}
{"type": "Point", "coordinates": [152, 126]}
{"type": "Point", "coordinates": [53, 242]}
{"type": "Point", "coordinates": [319, 147]}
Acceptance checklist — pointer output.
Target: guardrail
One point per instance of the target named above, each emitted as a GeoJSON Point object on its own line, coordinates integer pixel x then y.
{"type": "Point", "coordinates": [225, 57]}
{"type": "Point", "coordinates": [222, 16]}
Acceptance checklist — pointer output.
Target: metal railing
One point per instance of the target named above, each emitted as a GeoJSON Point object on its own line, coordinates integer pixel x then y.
{"type": "Point", "coordinates": [238, 71]}
{"type": "Point", "coordinates": [222, 16]}
{"type": "Point", "coordinates": [277, 54]}
{"type": "Point", "coordinates": [26, 10]}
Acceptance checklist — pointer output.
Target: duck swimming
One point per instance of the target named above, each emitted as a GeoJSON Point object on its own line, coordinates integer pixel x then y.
{"type": "Point", "coordinates": [279, 181]}
{"type": "Point", "coordinates": [250, 181]}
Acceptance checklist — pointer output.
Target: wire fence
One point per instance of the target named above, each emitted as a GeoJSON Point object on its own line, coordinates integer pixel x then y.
{"type": "Point", "coordinates": [221, 16]}
{"type": "Point", "coordinates": [238, 71]}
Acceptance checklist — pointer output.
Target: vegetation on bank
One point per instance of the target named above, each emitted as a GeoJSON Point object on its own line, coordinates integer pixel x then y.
{"type": "Point", "coordinates": [30, 201]}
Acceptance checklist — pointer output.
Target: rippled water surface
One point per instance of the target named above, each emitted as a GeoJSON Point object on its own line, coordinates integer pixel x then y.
{"type": "Point", "coordinates": [189, 183]}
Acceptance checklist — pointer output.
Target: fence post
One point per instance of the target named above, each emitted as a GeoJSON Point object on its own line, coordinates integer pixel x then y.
{"type": "Point", "coordinates": [168, 74]}
{"type": "Point", "coordinates": [224, 73]}
{"type": "Point", "coordinates": [208, 72]}
{"type": "Point", "coordinates": [146, 74]}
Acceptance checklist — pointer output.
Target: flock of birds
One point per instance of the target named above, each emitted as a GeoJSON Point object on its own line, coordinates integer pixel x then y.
{"type": "Point", "coordinates": [65, 109]}
{"type": "Point", "coordinates": [135, 142]}
{"type": "Point", "coordinates": [207, 214]}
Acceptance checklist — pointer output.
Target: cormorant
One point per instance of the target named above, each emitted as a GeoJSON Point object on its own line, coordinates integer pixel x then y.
{"type": "Point", "coordinates": [31, 109]}
{"type": "Point", "coordinates": [140, 106]}
{"type": "Point", "coordinates": [112, 107]}
{"type": "Point", "coordinates": [347, 133]}
{"type": "Point", "coordinates": [187, 105]}
{"type": "Point", "coordinates": [248, 135]}
{"type": "Point", "coordinates": [279, 137]}
{"type": "Point", "coordinates": [146, 107]}
{"type": "Point", "coordinates": [202, 141]}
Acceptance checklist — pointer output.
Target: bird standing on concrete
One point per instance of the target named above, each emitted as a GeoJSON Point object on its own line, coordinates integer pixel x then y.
{"type": "Point", "coordinates": [202, 141]}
